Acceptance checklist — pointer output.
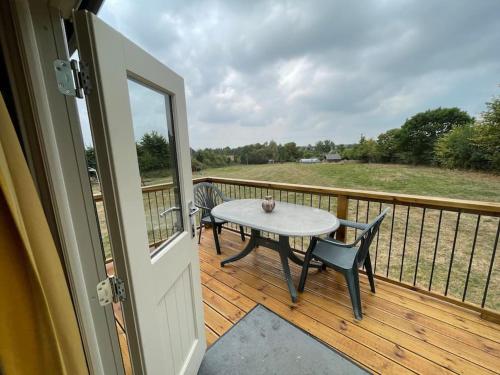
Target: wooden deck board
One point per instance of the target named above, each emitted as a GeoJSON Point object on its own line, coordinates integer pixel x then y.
{"type": "Point", "coordinates": [210, 336]}
{"type": "Point", "coordinates": [327, 285]}
{"type": "Point", "coordinates": [221, 305]}
{"type": "Point", "coordinates": [402, 330]}
{"type": "Point", "coordinates": [327, 310]}
{"type": "Point", "coordinates": [216, 321]}
{"type": "Point", "coordinates": [450, 314]}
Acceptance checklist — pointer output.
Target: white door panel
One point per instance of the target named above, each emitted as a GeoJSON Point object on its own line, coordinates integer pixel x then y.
{"type": "Point", "coordinates": [163, 312]}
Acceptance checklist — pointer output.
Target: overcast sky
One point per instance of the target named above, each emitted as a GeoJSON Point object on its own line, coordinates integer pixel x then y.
{"type": "Point", "coordinates": [310, 70]}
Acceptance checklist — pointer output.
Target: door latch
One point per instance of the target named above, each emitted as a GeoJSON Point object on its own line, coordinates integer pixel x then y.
{"type": "Point", "coordinates": [110, 290]}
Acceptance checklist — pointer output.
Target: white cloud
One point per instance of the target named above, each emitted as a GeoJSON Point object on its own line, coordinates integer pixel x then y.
{"type": "Point", "coordinates": [303, 71]}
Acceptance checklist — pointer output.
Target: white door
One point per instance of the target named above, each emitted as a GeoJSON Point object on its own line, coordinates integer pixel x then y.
{"type": "Point", "coordinates": [132, 91]}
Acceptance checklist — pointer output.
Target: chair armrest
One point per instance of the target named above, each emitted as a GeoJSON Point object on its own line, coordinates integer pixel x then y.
{"type": "Point", "coordinates": [334, 242]}
{"type": "Point", "coordinates": [203, 207]}
{"type": "Point", "coordinates": [353, 224]}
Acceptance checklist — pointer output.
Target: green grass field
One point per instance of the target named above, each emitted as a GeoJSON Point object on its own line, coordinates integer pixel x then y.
{"type": "Point", "coordinates": [390, 178]}
{"type": "Point", "coordinates": [380, 177]}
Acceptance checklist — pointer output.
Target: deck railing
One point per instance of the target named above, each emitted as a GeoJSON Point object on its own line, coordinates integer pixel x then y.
{"type": "Point", "coordinates": [446, 247]}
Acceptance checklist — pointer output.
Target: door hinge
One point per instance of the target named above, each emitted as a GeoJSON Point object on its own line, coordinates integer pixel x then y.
{"type": "Point", "coordinates": [73, 78]}
{"type": "Point", "coordinates": [110, 290]}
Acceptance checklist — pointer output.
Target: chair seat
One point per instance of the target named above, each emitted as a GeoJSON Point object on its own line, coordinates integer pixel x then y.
{"type": "Point", "coordinates": [207, 220]}
{"type": "Point", "coordinates": [335, 256]}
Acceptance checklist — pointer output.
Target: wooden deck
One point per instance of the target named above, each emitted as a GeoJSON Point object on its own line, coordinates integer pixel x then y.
{"type": "Point", "coordinates": [402, 331]}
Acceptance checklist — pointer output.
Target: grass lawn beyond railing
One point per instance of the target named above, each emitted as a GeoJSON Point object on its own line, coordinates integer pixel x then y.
{"type": "Point", "coordinates": [446, 247]}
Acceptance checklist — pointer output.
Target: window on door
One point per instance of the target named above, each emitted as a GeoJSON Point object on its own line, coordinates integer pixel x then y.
{"type": "Point", "coordinates": [152, 120]}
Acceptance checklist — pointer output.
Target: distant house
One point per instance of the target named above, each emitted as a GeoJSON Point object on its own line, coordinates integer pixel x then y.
{"type": "Point", "coordinates": [333, 158]}
{"type": "Point", "coordinates": [309, 161]}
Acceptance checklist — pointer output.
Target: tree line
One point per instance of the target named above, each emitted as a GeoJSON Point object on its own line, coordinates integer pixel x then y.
{"type": "Point", "coordinates": [259, 153]}
{"type": "Point", "coordinates": [154, 154]}
{"type": "Point", "coordinates": [446, 137]}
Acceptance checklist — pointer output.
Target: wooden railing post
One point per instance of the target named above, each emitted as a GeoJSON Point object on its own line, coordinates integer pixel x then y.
{"type": "Point", "coordinates": [342, 209]}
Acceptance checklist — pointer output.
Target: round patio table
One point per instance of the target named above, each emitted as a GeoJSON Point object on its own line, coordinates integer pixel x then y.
{"type": "Point", "coordinates": [286, 220]}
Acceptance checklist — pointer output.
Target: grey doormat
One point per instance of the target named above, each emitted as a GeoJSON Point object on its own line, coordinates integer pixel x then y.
{"type": "Point", "coordinates": [264, 343]}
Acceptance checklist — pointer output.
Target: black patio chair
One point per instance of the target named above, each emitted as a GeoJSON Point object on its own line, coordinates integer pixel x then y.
{"type": "Point", "coordinates": [206, 197]}
{"type": "Point", "coordinates": [346, 258]}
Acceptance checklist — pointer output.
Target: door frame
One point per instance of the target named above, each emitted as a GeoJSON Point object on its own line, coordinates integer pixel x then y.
{"type": "Point", "coordinates": [50, 130]}
{"type": "Point", "coordinates": [112, 60]}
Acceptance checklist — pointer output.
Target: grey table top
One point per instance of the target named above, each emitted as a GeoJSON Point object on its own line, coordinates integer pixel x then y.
{"type": "Point", "coordinates": [287, 219]}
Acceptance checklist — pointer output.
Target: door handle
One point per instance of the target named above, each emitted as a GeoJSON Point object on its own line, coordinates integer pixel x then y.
{"type": "Point", "coordinates": [170, 210]}
{"type": "Point", "coordinates": [193, 210]}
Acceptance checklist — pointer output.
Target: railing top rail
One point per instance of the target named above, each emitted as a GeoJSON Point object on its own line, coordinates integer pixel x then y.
{"type": "Point", "coordinates": [471, 206]}
{"type": "Point", "coordinates": [156, 187]}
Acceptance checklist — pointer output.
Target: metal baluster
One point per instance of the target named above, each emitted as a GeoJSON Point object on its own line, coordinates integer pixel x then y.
{"type": "Point", "coordinates": [378, 234]}
{"type": "Point", "coordinates": [163, 208]}
{"type": "Point", "coordinates": [404, 244]}
{"type": "Point", "coordinates": [435, 248]}
{"type": "Point", "coordinates": [491, 266]}
{"type": "Point", "coordinates": [452, 254]}
{"type": "Point", "coordinates": [302, 238]}
{"type": "Point", "coordinates": [366, 219]}
{"type": "Point", "coordinates": [295, 202]}
{"type": "Point", "coordinates": [158, 213]}
{"type": "Point", "coordinates": [172, 217]}
{"type": "Point", "coordinates": [390, 240]}
{"type": "Point", "coordinates": [151, 217]}
{"type": "Point", "coordinates": [357, 218]}
{"type": "Point", "coordinates": [471, 257]}
{"type": "Point", "coordinates": [419, 245]}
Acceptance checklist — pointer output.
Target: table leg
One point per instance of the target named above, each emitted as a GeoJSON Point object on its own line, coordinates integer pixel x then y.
{"type": "Point", "coordinates": [247, 250]}
{"type": "Point", "coordinates": [284, 250]}
{"type": "Point", "coordinates": [297, 260]}
{"type": "Point", "coordinates": [294, 258]}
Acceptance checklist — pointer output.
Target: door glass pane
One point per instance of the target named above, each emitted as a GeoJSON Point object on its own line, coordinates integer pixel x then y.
{"type": "Point", "coordinates": [155, 145]}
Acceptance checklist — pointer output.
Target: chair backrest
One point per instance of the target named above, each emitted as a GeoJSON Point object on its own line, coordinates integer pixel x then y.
{"type": "Point", "coordinates": [368, 235]}
{"type": "Point", "coordinates": [206, 197]}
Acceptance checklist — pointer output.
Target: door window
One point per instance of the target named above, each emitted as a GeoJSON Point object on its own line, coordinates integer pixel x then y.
{"type": "Point", "coordinates": [152, 120]}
